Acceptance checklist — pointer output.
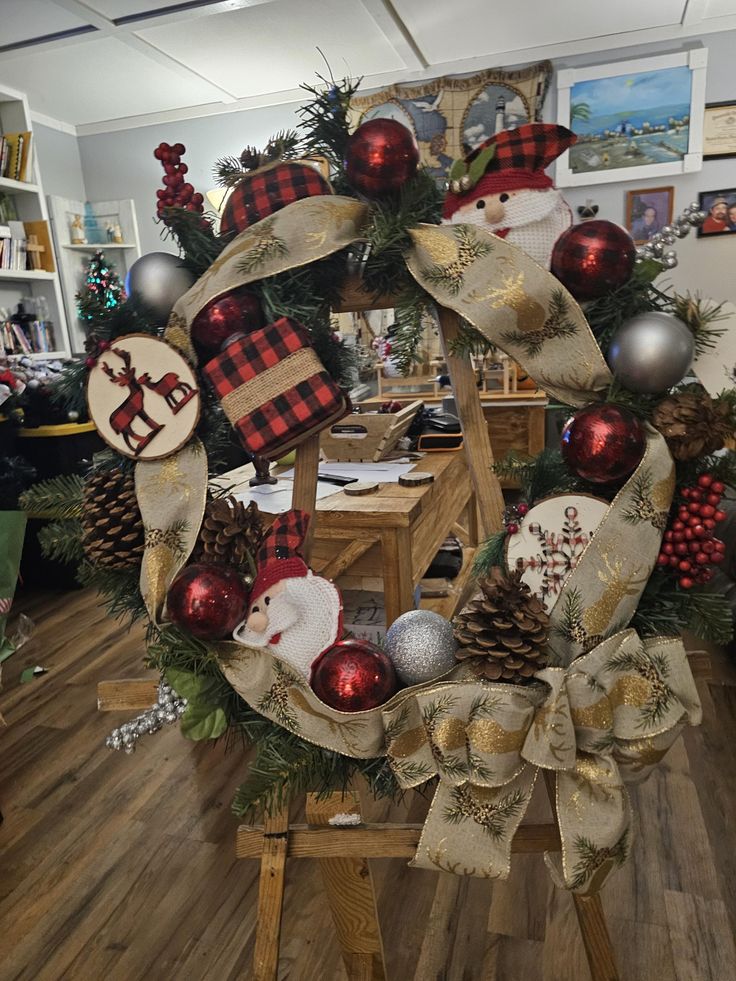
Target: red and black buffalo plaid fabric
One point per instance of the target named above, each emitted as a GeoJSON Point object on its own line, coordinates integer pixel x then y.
{"type": "Point", "coordinates": [274, 389]}
{"type": "Point", "coordinates": [268, 190]}
{"type": "Point", "coordinates": [520, 158]}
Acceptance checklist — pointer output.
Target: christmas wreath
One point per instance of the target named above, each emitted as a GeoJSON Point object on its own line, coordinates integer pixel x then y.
{"type": "Point", "coordinates": [570, 657]}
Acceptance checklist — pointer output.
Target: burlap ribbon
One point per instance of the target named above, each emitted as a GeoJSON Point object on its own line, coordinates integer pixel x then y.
{"type": "Point", "coordinates": [595, 719]}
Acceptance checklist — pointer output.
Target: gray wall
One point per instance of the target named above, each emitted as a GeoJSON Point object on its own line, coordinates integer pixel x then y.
{"type": "Point", "coordinates": [121, 165]}
{"type": "Point", "coordinates": [59, 162]}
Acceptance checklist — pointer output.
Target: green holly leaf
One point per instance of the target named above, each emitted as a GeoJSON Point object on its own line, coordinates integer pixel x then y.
{"type": "Point", "coordinates": [457, 170]}
{"type": "Point", "coordinates": [193, 687]}
{"type": "Point", "coordinates": [203, 721]}
{"type": "Point", "coordinates": [647, 270]}
{"type": "Point", "coordinates": [478, 166]}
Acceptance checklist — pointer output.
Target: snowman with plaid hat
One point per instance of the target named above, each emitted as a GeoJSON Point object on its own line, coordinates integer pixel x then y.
{"type": "Point", "coordinates": [293, 613]}
{"type": "Point", "coordinates": [502, 187]}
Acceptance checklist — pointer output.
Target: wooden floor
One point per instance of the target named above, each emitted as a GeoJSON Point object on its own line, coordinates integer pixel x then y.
{"type": "Point", "coordinates": [121, 868]}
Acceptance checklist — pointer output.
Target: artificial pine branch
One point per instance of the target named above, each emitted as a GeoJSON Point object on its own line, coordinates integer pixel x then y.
{"type": "Point", "coordinates": [119, 589]}
{"type": "Point", "coordinates": [61, 541]}
{"type": "Point", "coordinates": [639, 295]}
{"type": "Point", "coordinates": [195, 236]}
{"type": "Point", "coordinates": [490, 555]}
{"type": "Point", "coordinates": [325, 124]}
{"type": "Point", "coordinates": [701, 317]}
{"type": "Point", "coordinates": [59, 497]}
{"type": "Point", "coordinates": [228, 171]}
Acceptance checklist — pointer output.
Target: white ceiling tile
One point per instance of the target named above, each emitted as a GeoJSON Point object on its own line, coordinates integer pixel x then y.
{"type": "Point", "coordinates": [454, 31]}
{"type": "Point", "coordinates": [720, 8]}
{"type": "Point", "coordinates": [122, 8]}
{"type": "Point", "coordinates": [273, 47]}
{"type": "Point", "coordinates": [21, 20]}
{"type": "Point", "coordinates": [101, 79]}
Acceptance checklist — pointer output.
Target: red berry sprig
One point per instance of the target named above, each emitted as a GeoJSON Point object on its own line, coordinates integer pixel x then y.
{"type": "Point", "coordinates": [176, 192]}
{"type": "Point", "coordinates": [689, 546]}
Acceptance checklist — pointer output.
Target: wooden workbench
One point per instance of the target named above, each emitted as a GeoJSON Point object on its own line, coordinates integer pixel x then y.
{"type": "Point", "coordinates": [385, 541]}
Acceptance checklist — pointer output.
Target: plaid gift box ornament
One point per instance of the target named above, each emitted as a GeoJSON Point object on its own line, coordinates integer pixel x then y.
{"type": "Point", "coordinates": [274, 389]}
{"type": "Point", "coordinates": [266, 190]}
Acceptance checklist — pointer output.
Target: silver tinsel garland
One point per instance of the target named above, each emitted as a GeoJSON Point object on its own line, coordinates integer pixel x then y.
{"type": "Point", "coordinates": [657, 246]}
{"type": "Point", "coordinates": [167, 709]}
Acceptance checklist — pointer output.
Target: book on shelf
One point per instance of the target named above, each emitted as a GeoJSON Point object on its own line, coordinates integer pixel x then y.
{"type": "Point", "coordinates": [27, 336]}
{"type": "Point", "coordinates": [8, 209]}
{"type": "Point", "coordinates": [13, 253]}
{"type": "Point", "coordinates": [15, 155]}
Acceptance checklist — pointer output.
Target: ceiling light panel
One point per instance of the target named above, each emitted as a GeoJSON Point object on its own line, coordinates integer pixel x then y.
{"type": "Point", "coordinates": [102, 79]}
{"type": "Point", "coordinates": [474, 28]}
{"type": "Point", "coordinates": [272, 47]}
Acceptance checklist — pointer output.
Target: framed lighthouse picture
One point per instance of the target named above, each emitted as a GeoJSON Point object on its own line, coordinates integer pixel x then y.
{"type": "Point", "coordinates": [633, 120]}
{"type": "Point", "coordinates": [143, 397]}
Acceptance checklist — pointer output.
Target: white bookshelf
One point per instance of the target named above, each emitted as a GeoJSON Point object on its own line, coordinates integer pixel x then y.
{"type": "Point", "coordinates": [30, 202]}
{"type": "Point", "coordinates": [73, 257]}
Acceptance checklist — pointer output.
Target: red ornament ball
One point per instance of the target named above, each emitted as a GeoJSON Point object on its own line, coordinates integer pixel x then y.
{"type": "Point", "coordinates": [353, 675]}
{"type": "Point", "coordinates": [593, 258]}
{"type": "Point", "coordinates": [603, 443]}
{"type": "Point", "coordinates": [238, 311]}
{"type": "Point", "coordinates": [380, 158]}
{"type": "Point", "coordinates": [208, 601]}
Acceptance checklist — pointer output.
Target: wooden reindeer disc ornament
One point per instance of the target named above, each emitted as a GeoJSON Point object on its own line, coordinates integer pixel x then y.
{"type": "Point", "coordinates": [143, 397]}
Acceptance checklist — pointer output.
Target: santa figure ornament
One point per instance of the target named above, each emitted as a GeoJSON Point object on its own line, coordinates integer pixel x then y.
{"type": "Point", "coordinates": [502, 187]}
{"type": "Point", "coordinates": [292, 613]}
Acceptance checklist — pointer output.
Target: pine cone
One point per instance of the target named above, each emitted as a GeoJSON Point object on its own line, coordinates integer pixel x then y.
{"type": "Point", "coordinates": [250, 158]}
{"type": "Point", "coordinates": [230, 532]}
{"type": "Point", "coordinates": [505, 630]}
{"type": "Point", "coordinates": [693, 424]}
{"type": "Point", "coordinates": [111, 521]}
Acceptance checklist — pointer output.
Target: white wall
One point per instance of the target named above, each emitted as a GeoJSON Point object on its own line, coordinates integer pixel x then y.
{"type": "Point", "coordinates": [59, 162]}
{"type": "Point", "coordinates": [121, 165]}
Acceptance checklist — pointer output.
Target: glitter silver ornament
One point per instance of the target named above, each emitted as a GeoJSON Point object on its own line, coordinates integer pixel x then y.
{"type": "Point", "coordinates": [421, 644]}
{"type": "Point", "coordinates": [651, 352]}
{"type": "Point", "coordinates": [156, 281]}
{"type": "Point", "coordinates": [669, 259]}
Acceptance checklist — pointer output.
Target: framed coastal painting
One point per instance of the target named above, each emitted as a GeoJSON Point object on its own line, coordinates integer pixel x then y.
{"type": "Point", "coordinates": [648, 211]}
{"type": "Point", "coordinates": [634, 120]}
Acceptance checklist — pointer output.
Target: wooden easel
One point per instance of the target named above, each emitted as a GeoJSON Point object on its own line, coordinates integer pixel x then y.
{"type": "Point", "coordinates": [343, 852]}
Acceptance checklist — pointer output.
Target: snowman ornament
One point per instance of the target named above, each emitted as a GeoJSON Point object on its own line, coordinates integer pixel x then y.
{"type": "Point", "coordinates": [502, 187]}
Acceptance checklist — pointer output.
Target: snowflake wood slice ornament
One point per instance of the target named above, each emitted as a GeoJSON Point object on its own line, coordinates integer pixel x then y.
{"type": "Point", "coordinates": [551, 539]}
{"type": "Point", "coordinates": [143, 397]}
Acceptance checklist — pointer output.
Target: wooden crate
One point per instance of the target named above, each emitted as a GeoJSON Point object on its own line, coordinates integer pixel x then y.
{"type": "Point", "coordinates": [381, 431]}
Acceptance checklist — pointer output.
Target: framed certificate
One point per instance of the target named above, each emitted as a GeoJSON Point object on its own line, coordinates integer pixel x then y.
{"type": "Point", "coordinates": [719, 130]}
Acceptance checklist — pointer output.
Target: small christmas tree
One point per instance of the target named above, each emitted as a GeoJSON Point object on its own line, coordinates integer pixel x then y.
{"type": "Point", "coordinates": [102, 290]}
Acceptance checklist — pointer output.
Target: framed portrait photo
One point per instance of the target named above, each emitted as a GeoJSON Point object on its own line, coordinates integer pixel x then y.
{"type": "Point", "coordinates": [648, 211]}
{"type": "Point", "coordinates": [719, 130]}
{"type": "Point", "coordinates": [720, 208]}
{"type": "Point", "coordinates": [634, 120]}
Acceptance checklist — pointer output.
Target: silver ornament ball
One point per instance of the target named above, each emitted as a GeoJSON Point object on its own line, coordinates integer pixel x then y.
{"type": "Point", "coordinates": [156, 281]}
{"type": "Point", "coordinates": [651, 352]}
{"type": "Point", "coordinates": [421, 644]}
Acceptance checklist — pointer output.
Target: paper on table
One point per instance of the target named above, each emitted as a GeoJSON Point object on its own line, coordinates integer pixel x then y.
{"type": "Point", "coordinates": [382, 473]}
{"type": "Point", "coordinates": [276, 498]}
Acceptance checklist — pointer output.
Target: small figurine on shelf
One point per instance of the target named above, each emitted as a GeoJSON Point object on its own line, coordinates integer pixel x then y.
{"type": "Point", "coordinates": [77, 231]}
{"type": "Point", "coordinates": [117, 234]}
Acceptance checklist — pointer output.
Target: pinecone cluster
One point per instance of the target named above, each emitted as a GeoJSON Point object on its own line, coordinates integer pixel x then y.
{"type": "Point", "coordinates": [504, 630]}
{"type": "Point", "coordinates": [111, 522]}
{"type": "Point", "coordinates": [230, 534]}
{"type": "Point", "coordinates": [693, 424]}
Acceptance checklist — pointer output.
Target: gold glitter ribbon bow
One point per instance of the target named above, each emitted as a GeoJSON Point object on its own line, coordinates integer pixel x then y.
{"type": "Point", "coordinates": [172, 492]}
{"type": "Point", "coordinates": [605, 719]}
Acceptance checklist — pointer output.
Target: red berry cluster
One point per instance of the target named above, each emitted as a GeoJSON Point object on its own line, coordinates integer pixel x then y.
{"type": "Point", "coordinates": [176, 192]}
{"type": "Point", "coordinates": [689, 547]}
{"type": "Point", "coordinates": [512, 515]}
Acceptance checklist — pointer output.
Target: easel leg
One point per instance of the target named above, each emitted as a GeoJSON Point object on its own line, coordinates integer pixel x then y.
{"type": "Point", "coordinates": [591, 919]}
{"type": "Point", "coordinates": [475, 430]}
{"type": "Point", "coordinates": [271, 896]}
{"type": "Point", "coordinates": [349, 887]}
